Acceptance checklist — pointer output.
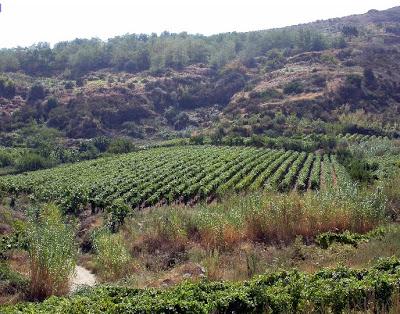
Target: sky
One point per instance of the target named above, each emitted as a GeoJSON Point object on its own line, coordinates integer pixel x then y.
{"type": "Point", "coordinates": [24, 22]}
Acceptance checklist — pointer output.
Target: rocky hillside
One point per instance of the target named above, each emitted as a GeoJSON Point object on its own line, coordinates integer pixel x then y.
{"type": "Point", "coordinates": [302, 78]}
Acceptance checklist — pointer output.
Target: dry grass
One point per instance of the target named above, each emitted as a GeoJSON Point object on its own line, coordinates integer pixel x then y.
{"type": "Point", "coordinates": [247, 259]}
{"type": "Point", "coordinates": [243, 236]}
{"type": "Point", "coordinates": [268, 218]}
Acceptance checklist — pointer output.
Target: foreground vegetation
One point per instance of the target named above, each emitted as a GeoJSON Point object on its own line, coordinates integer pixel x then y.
{"type": "Point", "coordinates": [234, 239]}
{"type": "Point", "coordinates": [231, 213]}
{"type": "Point", "coordinates": [342, 289]}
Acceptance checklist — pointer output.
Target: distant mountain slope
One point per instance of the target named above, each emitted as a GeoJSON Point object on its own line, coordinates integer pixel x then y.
{"type": "Point", "coordinates": [299, 78]}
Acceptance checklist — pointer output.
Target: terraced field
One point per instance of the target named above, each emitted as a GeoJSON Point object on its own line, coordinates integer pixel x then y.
{"type": "Point", "coordinates": [176, 174]}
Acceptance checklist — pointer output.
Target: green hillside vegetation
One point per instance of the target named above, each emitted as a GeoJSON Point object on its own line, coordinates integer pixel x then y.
{"type": "Point", "coordinates": [324, 77]}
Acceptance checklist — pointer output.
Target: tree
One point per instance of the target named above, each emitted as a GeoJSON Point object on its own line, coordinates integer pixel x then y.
{"type": "Point", "coordinates": [31, 162]}
{"type": "Point", "coordinates": [121, 146]}
{"type": "Point", "coordinates": [101, 143]}
{"type": "Point", "coordinates": [369, 77]}
{"type": "Point", "coordinates": [350, 31]}
{"type": "Point", "coordinates": [217, 136]}
{"type": "Point", "coordinates": [182, 121]}
{"type": "Point", "coordinates": [294, 87]}
{"type": "Point", "coordinates": [36, 92]}
{"type": "Point", "coordinates": [351, 88]}
{"type": "Point", "coordinates": [7, 88]}
{"type": "Point", "coordinates": [197, 139]}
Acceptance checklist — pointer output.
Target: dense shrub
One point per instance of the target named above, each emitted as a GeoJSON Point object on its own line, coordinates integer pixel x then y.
{"type": "Point", "coordinates": [7, 88]}
{"type": "Point", "coordinates": [113, 260]}
{"type": "Point", "coordinates": [294, 87]}
{"type": "Point", "coordinates": [267, 94]}
{"type": "Point", "coordinates": [120, 146]}
{"type": "Point", "coordinates": [11, 282]}
{"type": "Point", "coordinates": [351, 88]}
{"type": "Point", "coordinates": [117, 212]}
{"type": "Point", "coordinates": [5, 159]}
{"type": "Point", "coordinates": [36, 92]}
{"type": "Point", "coordinates": [102, 143]}
{"type": "Point", "coordinates": [362, 170]}
{"type": "Point", "coordinates": [358, 167]}
{"type": "Point", "coordinates": [31, 162]}
{"type": "Point", "coordinates": [52, 253]}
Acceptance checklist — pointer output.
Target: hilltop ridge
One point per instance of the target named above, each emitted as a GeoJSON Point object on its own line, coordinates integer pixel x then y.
{"type": "Point", "coordinates": [342, 70]}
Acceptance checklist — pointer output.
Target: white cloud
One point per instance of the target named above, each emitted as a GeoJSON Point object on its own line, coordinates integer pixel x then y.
{"type": "Point", "coordinates": [23, 22]}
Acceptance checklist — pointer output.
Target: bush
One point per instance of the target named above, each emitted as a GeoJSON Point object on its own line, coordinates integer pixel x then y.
{"type": "Point", "coordinates": [31, 162]}
{"type": "Point", "coordinates": [51, 104]}
{"type": "Point", "coordinates": [326, 239]}
{"type": "Point", "coordinates": [69, 85]}
{"type": "Point", "coordinates": [113, 260]}
{"type": "Point", "coordinates": [7, 88]}
{"type": "Point", "coordinates": [117, 213]}
{"type": "Point", "coordinates": [36, 92]}
{"type": "Point", "coordinates": [52, 253]}
{"type": "Point", "coordinates": [88, 150]}
{"type": "Point", "coordinates": [121, 146]}
{"type": "Point", "coordinates": [369, 77]}
{"type": "Point", "coordinates": [350, 31]}
{"type": "Point", "coordinates": [182, 121]}
{"type": "Point", "coordinates": [197, 139]}
{"type": "Point", "coordinates": [294, 87]}
{"type": "Point", "coordinates": [5, 159]}
{"type": "Point", "coordinates": [12, 282]}
{"type": "Point", "coordinates": [102, 143]}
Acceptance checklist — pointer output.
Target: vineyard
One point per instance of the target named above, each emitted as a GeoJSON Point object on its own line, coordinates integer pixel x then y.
{"type": "Point", "coordinates": [339, 290]}
{"type": "Point", "coordinates": [360, 137]}
{"type": "Point", "coordinates": [177, 174]}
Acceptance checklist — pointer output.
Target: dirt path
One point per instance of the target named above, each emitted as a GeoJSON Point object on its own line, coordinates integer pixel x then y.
{"type": "Point", "coordinates": [334, 177]}
{"type": "Point", "coordinates": [322, 183]}
{"type": "Point", "coordinates": [83, 277]}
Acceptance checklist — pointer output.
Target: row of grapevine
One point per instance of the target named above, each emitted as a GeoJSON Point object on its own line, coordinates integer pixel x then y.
{"type": "Point", "coordinates": [342, 175]}
{"type": "Point", "coordinates": [304, 174]}
{"type": "Point", "coordinates": [174, 174]}
{"type": "Point", "coordinates": [291, 176]}
{"type": "Point", "coordinates": [275, 179]}
{"type": "Point", "coordinates": [315, 176]}
{"type": "Point", "coordinates": [327, 172]}
{"type": "Point", "coordinates": [360, 137]}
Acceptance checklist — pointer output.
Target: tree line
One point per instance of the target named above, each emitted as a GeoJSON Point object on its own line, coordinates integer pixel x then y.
{"type": "Point", "coordinates": [139, 52]}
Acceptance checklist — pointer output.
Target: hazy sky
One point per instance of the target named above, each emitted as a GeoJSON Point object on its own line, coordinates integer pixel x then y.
{"type": "Point", "coordinates": [23, 22]}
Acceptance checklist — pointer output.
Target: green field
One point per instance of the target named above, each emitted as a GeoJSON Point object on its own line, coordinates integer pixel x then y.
{"type": "Point", "coordinates": [177, 174]}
